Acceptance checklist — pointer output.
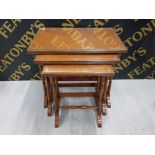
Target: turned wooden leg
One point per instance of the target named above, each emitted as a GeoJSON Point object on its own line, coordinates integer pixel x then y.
{"type": "Point", "coordinates": [56, 103]}
{"type": "Point", "coordinates": [43, 82]}
{"type": "Point", "coordinates": [99, 115]}
{"type": "Point", "coordinates": [45, 101]}
{"type": "Point", "coordinates": [101, 94]}
{"type": "Point", "coordinates": [98, 101]}
{"type": "Point", "coordinates": [98, 86]}
{"type": "Point", "coordinates": [104, 108]}
{"type": "Point", "coordinates": [51, 90]}
{"type": "Point", "coordinates": [108, 93]}
{"type": "Point", "coordinates": [45, 93]}
{"type": "Point", "coordinates": [49, 110]}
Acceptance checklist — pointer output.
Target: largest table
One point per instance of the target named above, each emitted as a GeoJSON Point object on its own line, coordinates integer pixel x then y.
{"type": "Point", "coordinates": [76, 40]}
{"type": "Point", "coordinates": [53, 46]}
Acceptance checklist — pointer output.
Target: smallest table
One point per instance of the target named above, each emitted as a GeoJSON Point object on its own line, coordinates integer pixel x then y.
{"type": "Point", "coordinates": [52, 72]}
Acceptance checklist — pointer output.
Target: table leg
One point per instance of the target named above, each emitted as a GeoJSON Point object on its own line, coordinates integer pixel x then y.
{"type": "Point", "coordinates": [51, 91]}
{"type": "Point", "coordinates": [104, 108]}
{"type": "Point", "coordinates": [49, 106]}
{"type": "Point", "coordinates": [98, 86]}
{"type": "Point", "coordinates": [43, 82]}
{"type": "Point", "coordinates": [99, 115]}
{"type": "Point", "coordinates": [101, 94]}
{"type": "Point", "coordinates": [99, 90]}
{"type": "Point", "coordinates": [56, 102]}
{"type": "Point", "coordinates": [108, 93]}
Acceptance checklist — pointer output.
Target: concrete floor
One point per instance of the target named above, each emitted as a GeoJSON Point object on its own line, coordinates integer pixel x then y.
{"type": "Point", "coordinates": [132, 112]}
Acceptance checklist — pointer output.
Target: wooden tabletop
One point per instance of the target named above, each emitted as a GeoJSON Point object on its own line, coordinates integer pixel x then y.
{"type": "Point", "coordinates": [77, 59]}
{"type": "Point", "coordinates": [76, 40]}
{"type": "Point", "coordinates": [78, 70]}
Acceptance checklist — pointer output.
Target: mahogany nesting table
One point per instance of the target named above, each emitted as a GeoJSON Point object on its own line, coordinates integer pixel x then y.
{"type": "Point", "coordinates": [77, 54]}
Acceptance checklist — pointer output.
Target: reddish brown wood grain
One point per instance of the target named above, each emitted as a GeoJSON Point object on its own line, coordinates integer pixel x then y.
{"type": "Point", "coordinates": [77, 70]}
{"type": "Point", "coordinates": [77, 59]}
{"type": "Point", "coordinates": [76, 40]}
